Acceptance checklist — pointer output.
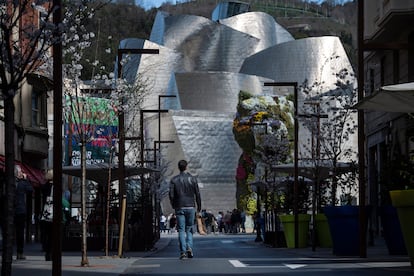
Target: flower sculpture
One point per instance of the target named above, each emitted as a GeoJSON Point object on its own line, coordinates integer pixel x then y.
{"type": "Point", "coordinates": [262, 128]}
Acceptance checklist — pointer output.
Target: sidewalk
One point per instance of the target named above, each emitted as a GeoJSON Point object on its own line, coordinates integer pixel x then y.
{"type": "Point", "coordinates": [35, 264]}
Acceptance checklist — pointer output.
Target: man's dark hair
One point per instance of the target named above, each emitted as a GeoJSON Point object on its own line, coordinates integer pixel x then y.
{"type": "Point", "coordinates": [182, 165]}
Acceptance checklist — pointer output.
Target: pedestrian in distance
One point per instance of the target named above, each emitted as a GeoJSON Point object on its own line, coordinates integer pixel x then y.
{"type": "Point", "coordinates": [163, 223]}
{"type": "Point", "coordinates": [23, 187]}
{"type": "Point", "coordinates": [172, 223]}
{"type": "Point", "coordinates": [184, 198]}
{"type": "Point", "coordinates": [46, 218]}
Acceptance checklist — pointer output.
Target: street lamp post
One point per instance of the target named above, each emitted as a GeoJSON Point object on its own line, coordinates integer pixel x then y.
{"type": "Point", "coordinates": [258, 205]}
{"type": "Point", "coordinates": [258, 217]}
{"type": "Point", "coordinates": [121, 143]}
{"type": "Point", "coordinates": [315, 156]}
{"type": "Point", "coordinates": [296, 152]}
{"type": "Point", "coordinates": [257, 185]}
{"type": "Point", "coordinates": [159, 127]}
{"type": "Point", "coordinates": [147, 212]}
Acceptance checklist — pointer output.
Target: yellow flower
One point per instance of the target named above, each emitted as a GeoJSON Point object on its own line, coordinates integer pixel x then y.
{"type": "Point", "coordinates": [258, 117]}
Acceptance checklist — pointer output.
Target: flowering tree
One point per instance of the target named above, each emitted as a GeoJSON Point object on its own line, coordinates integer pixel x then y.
{"type": "Point", "coordinates": [81, 112]}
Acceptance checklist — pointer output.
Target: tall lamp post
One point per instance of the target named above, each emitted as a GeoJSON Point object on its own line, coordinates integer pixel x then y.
{"type": "Point", "coordinates": [296, 152]}
{"type": "Point", "coordinates": [259, 185]}
{"type": "Point", "coordinates": [147, 212]}
{"type": "Point", "coordinates": [159, 142]}
{"type": "Point", "coordinates": [315, 156]}
{"type": "Point", "coordinates": [121, 135]}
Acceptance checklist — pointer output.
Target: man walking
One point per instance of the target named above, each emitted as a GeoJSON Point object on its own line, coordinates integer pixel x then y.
{"type": "Point", "coordinates": [23, 187]}
{"type": "Point", "coordinates": [184, 193]}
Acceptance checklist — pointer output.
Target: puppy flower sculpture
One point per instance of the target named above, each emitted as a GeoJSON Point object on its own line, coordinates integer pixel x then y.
{"type": "Point", "coordinates": [263, 127]}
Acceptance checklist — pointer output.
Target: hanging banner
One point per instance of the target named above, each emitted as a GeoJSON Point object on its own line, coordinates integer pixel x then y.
{"type": "Point", "coordinates": [96, 119]}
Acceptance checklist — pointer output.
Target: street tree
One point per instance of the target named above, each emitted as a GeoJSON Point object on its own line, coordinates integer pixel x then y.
{"type": "Point", "coordinates": [80, 111]}
{"type": "Point", "coordinates": [331, 122]}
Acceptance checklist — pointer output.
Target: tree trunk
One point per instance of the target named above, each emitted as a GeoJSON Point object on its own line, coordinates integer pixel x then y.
{"type": "Point", "coordinates": [108, 198]}
{"type": "Point", "coordinates": [10, 186]}
{"type": "Point", "coordinates": [84, 261]}
{"type": "Point", "coordinates": [334, 184]}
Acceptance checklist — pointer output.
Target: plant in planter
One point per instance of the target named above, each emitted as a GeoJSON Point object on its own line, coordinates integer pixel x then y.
{"type": "Point", "coordinates": [288, 219]}
{"type": "Point", "coordinates": [396, 174]}
{"type": "Point", "coordinates": [401, 191]}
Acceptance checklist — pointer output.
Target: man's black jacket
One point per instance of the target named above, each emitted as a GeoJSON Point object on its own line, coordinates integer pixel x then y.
{"type": "Point", "coordinates": [184, 191]}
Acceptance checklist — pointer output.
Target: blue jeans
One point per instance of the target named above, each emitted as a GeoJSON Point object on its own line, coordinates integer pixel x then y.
{"type": "Point", "coordinates": [185, 225]}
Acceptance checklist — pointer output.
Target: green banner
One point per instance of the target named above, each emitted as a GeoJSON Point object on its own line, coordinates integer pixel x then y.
{"type": "Point", "coordinates": [90, 111]}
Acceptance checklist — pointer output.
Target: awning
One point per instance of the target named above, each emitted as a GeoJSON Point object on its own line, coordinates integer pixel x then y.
{"type": "Point", "coordinates": [100, 172]}
{"type": "Point", "coordinates": [35, 176]}
{"type": "Point", "coordinates": [308, 169]}
{"type": "Point", "coordinates": [390, 98]}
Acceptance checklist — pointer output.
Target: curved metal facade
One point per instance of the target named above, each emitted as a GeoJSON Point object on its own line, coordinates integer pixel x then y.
{"type": "Point", "coordinates": [205, 45]}
{"type": "Point", "coordinates": [216, 91]}
{"type": "Point", "coordinates": [205, 64]}
{"type": "Point", "coordinates": [260, 25]}
{"type": "Point", "coordinates": [312, 59]}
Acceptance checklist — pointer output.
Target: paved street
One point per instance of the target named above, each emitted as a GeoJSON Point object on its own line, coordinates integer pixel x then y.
{"type": "Point", "coordinates": [220, 255]}
{"type": "Point", "coordinates": [239, 254]}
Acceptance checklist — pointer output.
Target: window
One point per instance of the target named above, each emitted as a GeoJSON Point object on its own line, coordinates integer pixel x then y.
{"type": "Point", "coordinates": [396, 67]}
{"type": "Point", "coordinates": [39, 109]}
{"type": "Point", "coordinates": [371, 80]}
{"type": "Point", "coordinates": [382, 74]}
{"type": "Point", "coordinates": [410, 58]}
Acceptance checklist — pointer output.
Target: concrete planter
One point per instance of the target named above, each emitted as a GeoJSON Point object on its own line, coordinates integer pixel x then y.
{"type": "Point", "coordinates": [322, 231]}
{"type": "Point", "coordinates": [288, 222]}
{"type": "Point", "coordinates": [392, 230]}
{"type": "Point", "coordinates": [403, 200]}
{"type": "Point", "coordinates": [344, 227]}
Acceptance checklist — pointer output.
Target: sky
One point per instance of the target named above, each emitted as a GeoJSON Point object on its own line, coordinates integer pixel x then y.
{"type": "Point", "coordinates": [148, 4]}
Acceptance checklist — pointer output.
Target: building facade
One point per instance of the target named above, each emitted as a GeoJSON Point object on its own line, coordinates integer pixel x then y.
{"type": "Point", "coordinates": [389, 136]}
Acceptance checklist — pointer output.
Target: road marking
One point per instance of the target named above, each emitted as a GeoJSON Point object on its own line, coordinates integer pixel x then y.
{"type": "Point", "coordinates": [227, 241]}
{"type": "Point", "coordinates": [294, 266]}
{"type": "Point", "coordinates": [240, 264]}
{"type": "Point", "coordinates": [237, 263]}
{"type": "Point", "coordinates": [147, 266]}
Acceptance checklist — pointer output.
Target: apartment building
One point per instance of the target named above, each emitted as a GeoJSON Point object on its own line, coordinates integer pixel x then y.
{"type": "Point", "coordinates": [30, 103]}
{"type": "Point", "coordinates": [388, 24]}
